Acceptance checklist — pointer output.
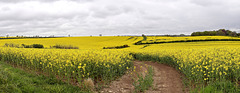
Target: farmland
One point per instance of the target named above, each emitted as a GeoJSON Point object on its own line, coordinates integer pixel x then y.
{"type": "Point", "coordinates": [204, 64]}
{"type": "Point", "coordinates": [81, 42]}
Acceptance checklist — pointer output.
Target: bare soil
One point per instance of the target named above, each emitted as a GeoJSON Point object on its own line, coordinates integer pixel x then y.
{"type": "Point", "coordinates": [166, 80]}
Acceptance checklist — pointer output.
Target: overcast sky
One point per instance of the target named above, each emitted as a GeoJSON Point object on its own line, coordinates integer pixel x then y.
{"type": "Point", "coordinates": [116, 17]}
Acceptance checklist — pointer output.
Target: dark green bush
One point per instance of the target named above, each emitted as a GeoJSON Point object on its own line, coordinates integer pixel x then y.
{"type": "Point", "coordinates": [64, 47]}
{"type": "Point", "coordinates": [33, 46]}
{"type": "Point", "coordinates": [116, 47]}
{"type": "Point", "coordinates": [11, 45]}
{"type": "Point", "coordinates": [23, 45]}
{"type": "Point", "coordinates": [37, 46]}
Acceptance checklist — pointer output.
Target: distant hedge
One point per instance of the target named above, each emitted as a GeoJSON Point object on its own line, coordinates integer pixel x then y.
{"type": "Point", "coordinates": [116, 47]}
{"type": "Point", "coordinates": [141, 43]}
{"type": "Point", "coordinates": [64, 46]}
{"type": "Point", "coordinates": [23, 45]}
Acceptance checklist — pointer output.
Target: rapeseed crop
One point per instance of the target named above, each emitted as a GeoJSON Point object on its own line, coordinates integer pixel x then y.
{"type": "Point", "coordinates": [201, 65]}
{"type": "Point", "coordinates": [94, 42]}
{"type": "Point", "coordinates": [169, 39]}
{"type": "Point", "coordinates": [76, 64]}
{"type": "Point", "coordinates": [201, 62]}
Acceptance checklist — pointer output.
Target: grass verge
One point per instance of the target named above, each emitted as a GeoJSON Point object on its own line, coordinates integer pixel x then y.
{"type": "Point", "coordinates": [217, 87]}
{"type": "Point", "coordinates": [15, 80]}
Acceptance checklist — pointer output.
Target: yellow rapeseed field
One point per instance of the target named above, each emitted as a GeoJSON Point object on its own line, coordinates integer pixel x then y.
{"type": "Point", "coordinates": [94, 42]}
{"type": "Point", "coordinates": [201, 62]}
{"type": "Point", "coordinates": [97, 64]}
{"type": "Point", "coordinates": [198, 64]}
{"type": "Point", "coordinates": [168, 39]}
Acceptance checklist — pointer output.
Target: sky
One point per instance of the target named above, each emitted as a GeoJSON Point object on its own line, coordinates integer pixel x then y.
{"type": "Point", "coordinates": [116, 17]}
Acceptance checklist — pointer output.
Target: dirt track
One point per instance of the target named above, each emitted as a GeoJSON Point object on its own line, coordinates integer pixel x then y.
{"type": "Point", "coordinates": [166, 80]}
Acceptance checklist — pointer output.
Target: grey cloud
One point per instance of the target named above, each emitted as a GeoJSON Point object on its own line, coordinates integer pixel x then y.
{"type": "Point", "coordinates": [109, 10]}
{"type": "Point", "coordinates": [208, 2]}
{"type": "Point", "coordinates": [20, 1]}
{"type": "Point", "coordinates": [116, 17]}
{"type": "Point", "coordinates": [30, 12]}
{"type": "Point", "coordinates": [13, 1]}
{"type": "Point", "coordinates": [5, 9]}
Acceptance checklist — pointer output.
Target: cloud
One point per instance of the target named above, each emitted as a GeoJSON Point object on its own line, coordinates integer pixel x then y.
{"type": "Point", "coordinates": [116, 17]}
{"type": "Point", "coordinates": [46, 1]}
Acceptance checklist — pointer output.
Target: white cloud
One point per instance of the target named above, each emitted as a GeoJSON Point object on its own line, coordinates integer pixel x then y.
{"type": "Point", "coordinates": [114, 17]}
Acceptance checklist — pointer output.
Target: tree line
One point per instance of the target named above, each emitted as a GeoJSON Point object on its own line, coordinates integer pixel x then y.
{"type": "Point", "coordinates": [220, 32]}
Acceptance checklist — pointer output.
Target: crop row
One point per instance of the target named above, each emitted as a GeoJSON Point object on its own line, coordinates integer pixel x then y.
{"type": "Point", "coordinates": [70, 64]}
{"type": "Point", "coordinates": [201, 65]}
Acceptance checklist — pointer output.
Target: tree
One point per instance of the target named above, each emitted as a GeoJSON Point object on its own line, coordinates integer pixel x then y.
{"type": "Point", "coordinates": [144, 37]}
{"type": "Point", "coordinates": [221, 33]}
{"type": "Point", "coordinates": [182, 35]}
{"type": "Point", "coordinates": [233, 34]}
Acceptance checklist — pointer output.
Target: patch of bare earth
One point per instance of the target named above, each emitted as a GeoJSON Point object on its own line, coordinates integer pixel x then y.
{"type": "Point", "coordinates": [166, 80]}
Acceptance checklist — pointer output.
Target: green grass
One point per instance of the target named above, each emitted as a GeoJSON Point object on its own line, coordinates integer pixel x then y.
{"type": "Point", "coordinates": [144, 83]}
{"type": "Point", "coordinates": [15, 80]}
{"type": "Point", "coordinates": [217, 87]}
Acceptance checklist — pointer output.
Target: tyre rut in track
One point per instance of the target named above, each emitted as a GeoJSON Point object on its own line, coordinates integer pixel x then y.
{"type": "Point", "coordinates": [166, 80]}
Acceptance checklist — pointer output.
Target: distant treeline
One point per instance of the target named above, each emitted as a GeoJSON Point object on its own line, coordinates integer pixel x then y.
{"type": "Point", "coordinates": [220, 32]}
